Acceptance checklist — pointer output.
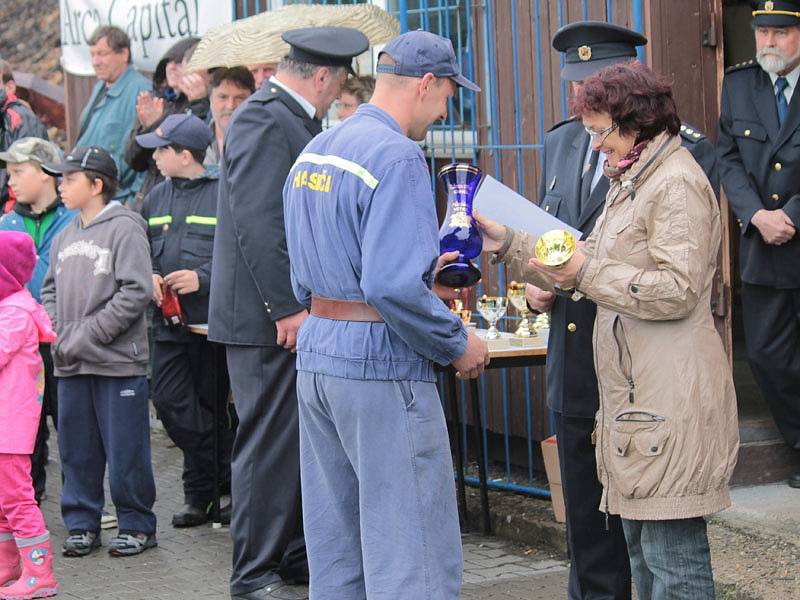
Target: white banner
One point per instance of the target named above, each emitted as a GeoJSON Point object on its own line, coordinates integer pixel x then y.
{"type": "Point", "coordinates": [153, 26]}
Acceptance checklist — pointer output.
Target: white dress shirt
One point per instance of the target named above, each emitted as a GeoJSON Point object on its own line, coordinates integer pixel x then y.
{"type": "Point", "coordinates": [307, 106]}
{"type": "Point", "coordinates": [791, 79]}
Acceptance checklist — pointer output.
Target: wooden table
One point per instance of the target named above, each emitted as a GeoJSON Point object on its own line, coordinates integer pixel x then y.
{"type": "Point", "coordinates": [532, 354]}
{"type": "Point", "coordinates": [218, 354]}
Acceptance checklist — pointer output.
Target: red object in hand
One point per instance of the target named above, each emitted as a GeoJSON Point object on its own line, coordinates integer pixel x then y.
{"type": "Point", "coordinates": [171, 307]}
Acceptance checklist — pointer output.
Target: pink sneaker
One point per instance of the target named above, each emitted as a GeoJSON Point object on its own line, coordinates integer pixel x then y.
{"type": "Point", "coordinates": [37, 579]}
{"type": "Point", "coordinates": [10, 568]}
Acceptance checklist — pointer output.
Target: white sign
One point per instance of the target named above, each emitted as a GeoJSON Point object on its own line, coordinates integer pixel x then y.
{"type": "Point", "coordinates": [153, 26]}
{"type": "Point", "coordinates": [502, 204]}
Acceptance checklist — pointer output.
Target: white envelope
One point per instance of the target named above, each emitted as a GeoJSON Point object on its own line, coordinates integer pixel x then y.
{"type": "Point", "coordinates": [502, 204]}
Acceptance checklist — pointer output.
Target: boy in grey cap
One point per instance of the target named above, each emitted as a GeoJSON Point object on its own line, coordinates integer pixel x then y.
{"type": "Point", "coordinates": [96, 292]}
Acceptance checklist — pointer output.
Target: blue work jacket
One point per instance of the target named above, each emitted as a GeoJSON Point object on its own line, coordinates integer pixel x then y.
{"type": "Point", "coordinates": [361, 225]}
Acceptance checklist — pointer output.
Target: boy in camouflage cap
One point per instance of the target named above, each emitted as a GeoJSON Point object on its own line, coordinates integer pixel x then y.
{"type": "Point", "coordinates": [38, 211]}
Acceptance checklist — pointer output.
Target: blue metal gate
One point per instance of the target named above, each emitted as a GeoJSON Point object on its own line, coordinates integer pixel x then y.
{"type": "Point", "coordinates": [502, 129]}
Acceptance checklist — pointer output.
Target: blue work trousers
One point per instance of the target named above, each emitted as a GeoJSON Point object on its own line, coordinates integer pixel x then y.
{"type": "Point", "coordinates": [379, 502]}
{"type": "Point", "coordinates": [670, 560]}
{"type": "Point", "coordinates": [105, 419]}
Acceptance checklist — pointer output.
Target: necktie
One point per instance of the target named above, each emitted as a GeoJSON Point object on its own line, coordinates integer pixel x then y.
{"type": "Point", "coordinates": [783, 106]}
{"type": "Point", "coordinates": [588, 176]}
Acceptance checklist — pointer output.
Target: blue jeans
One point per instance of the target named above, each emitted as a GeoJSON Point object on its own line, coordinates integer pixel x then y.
{"type": "Point", "coordinates": [670, 560]}
{"type": "Point", "coordinates": [379, 502]}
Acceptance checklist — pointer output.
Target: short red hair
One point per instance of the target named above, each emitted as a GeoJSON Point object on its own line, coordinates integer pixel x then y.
{"type": "Point", "coordinates": [637, 98]}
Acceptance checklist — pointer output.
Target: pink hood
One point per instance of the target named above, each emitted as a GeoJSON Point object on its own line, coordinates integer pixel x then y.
{"type": "Point", "coordinates": [17, 261]}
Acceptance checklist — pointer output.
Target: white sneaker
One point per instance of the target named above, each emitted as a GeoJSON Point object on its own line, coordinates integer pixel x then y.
{"type": "Point", "coordinates": [107, 520]}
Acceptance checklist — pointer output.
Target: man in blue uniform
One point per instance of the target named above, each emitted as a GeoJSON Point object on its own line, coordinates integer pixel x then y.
{"type": "Point", "coordinates": [759, 154]}
{"type": "Point", "coordinates": [379, 501]}
{"type": "Point", "coordinates": [254, 312]}
{"type": "Point", "coordinates": [573, 188]}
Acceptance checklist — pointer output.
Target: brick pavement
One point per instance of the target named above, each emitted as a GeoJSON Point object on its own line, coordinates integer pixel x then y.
{"type": "Point", "coordinates": [195, 563]}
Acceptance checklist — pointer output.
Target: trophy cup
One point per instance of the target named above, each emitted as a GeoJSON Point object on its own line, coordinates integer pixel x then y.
{"type": "Point", "coordinates": [554, 248]}
{"type": "Point", "coordinates": [516, 295]}
{"type": "Point", "coordinates": [491, 309]}
{"type": "Point", "coordinates": [458, 307]}
{"type": "Point", "coordinates": [459, 232]}
{"type": "Point", "coordinates": [542, 321]}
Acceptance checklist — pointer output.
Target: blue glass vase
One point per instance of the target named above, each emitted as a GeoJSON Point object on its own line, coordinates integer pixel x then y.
{"type": "Point", "coordinates": [459, 231]}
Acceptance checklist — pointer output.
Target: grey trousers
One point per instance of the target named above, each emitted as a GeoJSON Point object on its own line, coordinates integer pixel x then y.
{"type": "Point", "coordinates": [379, 503]}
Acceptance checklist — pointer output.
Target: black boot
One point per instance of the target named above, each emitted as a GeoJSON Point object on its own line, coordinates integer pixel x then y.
{"type": "Point", "coordinates": [189, 516]}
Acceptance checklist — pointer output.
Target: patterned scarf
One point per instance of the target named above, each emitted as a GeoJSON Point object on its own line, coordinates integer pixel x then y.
{"type": "Point", "coordinates": [626, 162]}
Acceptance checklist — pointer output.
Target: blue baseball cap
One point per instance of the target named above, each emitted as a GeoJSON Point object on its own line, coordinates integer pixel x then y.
{"type": "Point", "coordinates": [418, 52]}
{"type": "Point", "coordinates": [183, 129]}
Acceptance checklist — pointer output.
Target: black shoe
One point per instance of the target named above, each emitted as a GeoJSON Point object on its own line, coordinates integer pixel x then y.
{"type": "Point", "coordinates": [189, 516]}
{"type": "Point", "coordinates": [794, 481]}
{"type": "Point", "coordinates": [275, 591]}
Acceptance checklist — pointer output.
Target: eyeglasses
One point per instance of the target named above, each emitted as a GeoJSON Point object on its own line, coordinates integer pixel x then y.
{"type": "Point", "coordinates": [346, 105]}
{"type": "Point", "coordinates": [601, 135]}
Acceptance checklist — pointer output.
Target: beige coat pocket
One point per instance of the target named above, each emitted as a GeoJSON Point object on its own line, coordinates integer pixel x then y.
{"type": "Point", "coordinates": [638, 460]}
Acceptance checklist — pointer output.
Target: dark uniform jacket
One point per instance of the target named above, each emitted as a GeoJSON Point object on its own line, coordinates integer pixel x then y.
{"type": "Point", "coordinates": [760, 167]}
{"type": "Point", "coordinates": [250, 276]}
{"type": "Point", "coordinates": [574, 393]}
{"type": "Point", "coordinates": [181, 219]}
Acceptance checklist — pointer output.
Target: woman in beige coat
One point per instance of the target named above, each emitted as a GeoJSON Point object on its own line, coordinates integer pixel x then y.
{"type": "Point", "coordinates": [667, 434]}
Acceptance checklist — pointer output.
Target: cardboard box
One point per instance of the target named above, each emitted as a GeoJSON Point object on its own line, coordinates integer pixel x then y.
{"type": "Point", "coordinates": [553, 470]}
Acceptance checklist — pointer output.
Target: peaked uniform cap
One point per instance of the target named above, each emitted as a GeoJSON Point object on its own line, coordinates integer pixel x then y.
{"type": "Point", "coordinates": [776, 13]}
{"type": "Point", "coordinates": [589, 46]}
{"type": "Point", "coordinates": [326, 46]}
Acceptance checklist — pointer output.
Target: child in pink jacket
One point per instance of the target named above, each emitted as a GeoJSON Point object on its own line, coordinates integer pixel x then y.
{"type": "Point", "coordinates": [26, 561]}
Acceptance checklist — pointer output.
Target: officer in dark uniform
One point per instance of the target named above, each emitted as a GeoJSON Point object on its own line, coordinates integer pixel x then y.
{"type": "Point", "coordinates": [573, 188]}
{"type": "Point", "coordinates": [759, 158]}
{"type": "Point", "coordinates": [254, 311]}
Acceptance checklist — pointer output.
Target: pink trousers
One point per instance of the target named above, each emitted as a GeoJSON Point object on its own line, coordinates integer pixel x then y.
{"type": "Point", "coordinates": [19, 514]}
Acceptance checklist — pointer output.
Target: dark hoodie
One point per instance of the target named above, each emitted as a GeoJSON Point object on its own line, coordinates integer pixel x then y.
{"type": "Point", "coordinates": [96, 292]}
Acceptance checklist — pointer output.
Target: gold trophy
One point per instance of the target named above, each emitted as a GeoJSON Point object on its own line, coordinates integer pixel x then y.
{"type": "Point", "coordinates": [542, 321]}
{"type": "Point", "coordinates": [492, 308]}
{"type": "Point", "coordinates": [554, 248]}
{"type": "Point", "coordinates": [516, 295]}
{"type": "Point", "coordinates": [457, 307]}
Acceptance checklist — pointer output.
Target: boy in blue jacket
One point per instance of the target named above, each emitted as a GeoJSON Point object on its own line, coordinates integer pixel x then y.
{"type": "Point", "coordinates": [181, 217]}
{"type": "Point", "coordinates": [39, 212]}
